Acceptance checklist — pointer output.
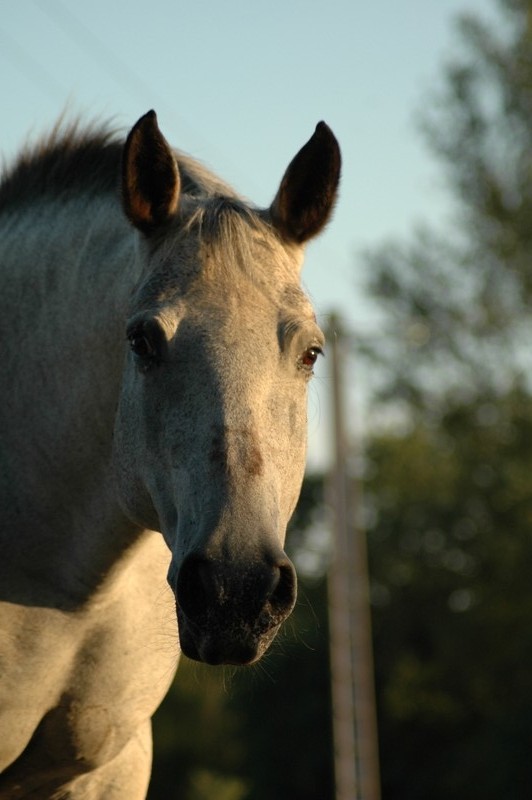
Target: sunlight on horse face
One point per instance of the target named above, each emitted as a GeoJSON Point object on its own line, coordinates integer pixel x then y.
{"type": "Point", "coordinates": [213, 416]}
{"type": "Point", "coordinates": [210, 435]}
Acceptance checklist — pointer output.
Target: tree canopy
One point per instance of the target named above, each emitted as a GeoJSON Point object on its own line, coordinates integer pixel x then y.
{"type": "Point", "coordinates": [455, 300]}
{"type": "Point", "coordinates": [449, 493]}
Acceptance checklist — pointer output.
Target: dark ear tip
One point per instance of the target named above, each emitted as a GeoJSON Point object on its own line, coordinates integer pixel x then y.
{"type": "Point", "coordinates": [331, 146]}
{"type": "Point", "coordinates": [322, 127]}
{"type": "Point", "coordinates": [144, 125]}
{"type": "Point", "coordinates": [323, 131]}
{"type": "Point", "coordinates": [148, 120]}
{"type": "Point", "coordinates": [326, 136]}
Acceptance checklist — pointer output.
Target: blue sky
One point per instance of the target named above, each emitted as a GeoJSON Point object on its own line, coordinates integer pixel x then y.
{"type": "Point", "coordinates": [241, 85]}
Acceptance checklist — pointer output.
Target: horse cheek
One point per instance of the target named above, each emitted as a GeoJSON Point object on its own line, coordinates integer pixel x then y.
{"type": "Point", "coordinates": [127, 457]}
{"type": "Point", "coordinates": [290, 458]}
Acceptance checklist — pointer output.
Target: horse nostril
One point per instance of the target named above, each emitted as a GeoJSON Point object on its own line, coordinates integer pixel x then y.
{"type": "Point", "coordinates": [203, 588]}
{"type": "Point", "coordinates": [194, 587]}
{"type": "Point", "coordinates": [283, 595]}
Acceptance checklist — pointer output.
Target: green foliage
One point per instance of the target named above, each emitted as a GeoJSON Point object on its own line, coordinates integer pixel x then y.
{"type": "Point", "coordinates": [449, 494]}
{"type": "Point", "coordinates": [451, 558]}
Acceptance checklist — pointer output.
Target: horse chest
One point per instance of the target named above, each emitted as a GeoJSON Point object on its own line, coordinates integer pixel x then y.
{"type": "Point", "coordinates": [79, 687]}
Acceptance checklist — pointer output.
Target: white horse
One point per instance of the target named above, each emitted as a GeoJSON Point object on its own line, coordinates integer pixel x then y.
{"type": "Point", "coordinates": [154, 371]}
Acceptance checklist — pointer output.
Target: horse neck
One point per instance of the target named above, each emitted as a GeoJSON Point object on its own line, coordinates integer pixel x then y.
{"type": "Point", "coordinates": [64, 282]}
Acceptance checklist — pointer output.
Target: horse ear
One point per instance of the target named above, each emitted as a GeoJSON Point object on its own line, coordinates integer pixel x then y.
{"type": "Point", "coordinates": [307, 194]}
{"type": "Point", "coordinates": [150, 176]}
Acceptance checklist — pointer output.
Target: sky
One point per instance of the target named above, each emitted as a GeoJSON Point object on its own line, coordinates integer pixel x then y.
{"type": "Point", "coordinates": [241, 86]}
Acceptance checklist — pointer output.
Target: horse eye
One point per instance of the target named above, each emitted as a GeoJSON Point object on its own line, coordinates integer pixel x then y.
{"type": "Point", "coordinates": [310, 356]}
{"type": "Point", "coordinates": [141, 345]}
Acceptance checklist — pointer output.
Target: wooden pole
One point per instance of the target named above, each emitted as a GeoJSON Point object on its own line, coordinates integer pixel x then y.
{"type": "Point", "coordinates": [352, 683]}
{"type": "Point", "coordinates": [342, 677]}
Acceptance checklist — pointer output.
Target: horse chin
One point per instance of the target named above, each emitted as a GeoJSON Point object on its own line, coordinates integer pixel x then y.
{"type": "Point", "coordinates": [217, 647]}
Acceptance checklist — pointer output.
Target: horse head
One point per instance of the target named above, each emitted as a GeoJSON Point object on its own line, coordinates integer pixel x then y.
{"type": "Point", "coordinates": [210, 434]}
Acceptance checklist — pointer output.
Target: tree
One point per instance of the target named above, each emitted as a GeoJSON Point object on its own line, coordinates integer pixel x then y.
{"type": "Point", "coordinates": [449, 491]}
{"type": "Point", "coordinates": [455, 301]}
{"type": "Point", "coordinates": [451, 558]}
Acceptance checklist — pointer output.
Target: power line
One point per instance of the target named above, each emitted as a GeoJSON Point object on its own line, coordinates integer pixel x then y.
{"type": "Point", "coordinates": [123, 75]}
{"type": "Point", "coordinates": [99, 53]}
{"type": "Point", "coordinates": [30, 67]}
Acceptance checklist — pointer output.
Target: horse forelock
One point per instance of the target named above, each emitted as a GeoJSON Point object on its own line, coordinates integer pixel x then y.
{"type": "Point", "coordinates": [244, 241]}
{"type": "Point", "coordinates": [220, 243]}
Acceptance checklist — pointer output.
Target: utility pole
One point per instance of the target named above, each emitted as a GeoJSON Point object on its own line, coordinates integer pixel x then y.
{"type": "Point", "coordinates": [352, 685]}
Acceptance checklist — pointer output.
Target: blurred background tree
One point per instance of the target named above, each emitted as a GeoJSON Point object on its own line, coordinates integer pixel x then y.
{"type": "Point", "coordinates": [451, 558]}
{"type": "Point", "coordinates": [449, 490]}
{"type": "Point", "coordinates": [454, 302]}
{"type": "Point", "coordinates": [448, 499]}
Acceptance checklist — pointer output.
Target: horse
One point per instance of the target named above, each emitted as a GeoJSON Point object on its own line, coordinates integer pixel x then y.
{"type": "Point", "coordinates": [156, 351]}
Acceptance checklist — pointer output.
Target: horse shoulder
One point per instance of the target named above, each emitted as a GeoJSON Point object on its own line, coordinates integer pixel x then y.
{"type": "Point", "coordinates": [124, 664]}
{"type": "Point", "coordinates": [91, 679]}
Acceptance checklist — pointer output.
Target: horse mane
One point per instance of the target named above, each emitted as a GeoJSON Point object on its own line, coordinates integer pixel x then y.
{"type": "Point", "coordinates": [69, 160]}
{"type": "Point", "coordinates": [76, 160]}
{"type": "Point", "coordinates": [79, 159]}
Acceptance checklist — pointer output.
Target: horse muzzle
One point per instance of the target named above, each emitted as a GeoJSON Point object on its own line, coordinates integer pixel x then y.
{"type": "Point", "coordinates": [229, 613]}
